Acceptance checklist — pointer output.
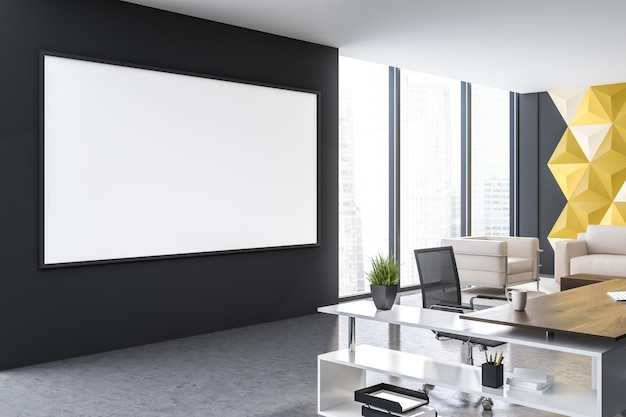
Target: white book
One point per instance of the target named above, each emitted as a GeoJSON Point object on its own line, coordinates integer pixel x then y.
{"type": "Point", "coordinates": [530, 374]}
{"type": "Point", "coordinates": [531, 390]}
{"type": "Point", "coordinates": [530, 384]}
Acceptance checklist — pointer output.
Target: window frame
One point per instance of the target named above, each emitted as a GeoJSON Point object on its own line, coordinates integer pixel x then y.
{"type": "Point", "coordinates": [395, 137]}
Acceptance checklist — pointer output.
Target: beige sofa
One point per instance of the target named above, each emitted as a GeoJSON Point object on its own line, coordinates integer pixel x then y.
{"type": "Point", "coordinates": [496, 261]}
{"type": "Point", "coordinates": [601, 250]}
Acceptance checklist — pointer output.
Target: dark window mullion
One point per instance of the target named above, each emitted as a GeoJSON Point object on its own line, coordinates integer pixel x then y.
{"type": "Point", "coordinates": [514, 165]}
{"type": "Point", "coordinates": [466, 155]}
{"type": "Point", "coordinates": [394, 161]}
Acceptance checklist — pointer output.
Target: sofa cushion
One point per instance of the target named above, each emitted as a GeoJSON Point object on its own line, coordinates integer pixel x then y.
{"type": "Point", "coordinates": [482, 278]}
{"type": "Point", "coordinates": [521, 277]}
{"type": "Point", "coordinates": [606, 239]}
{"type": "Point", "coordinates": [601, 264]}
{"type": "Point", "coordinates": [480, 263]}
{"type": "Point", "coordinates": [519, 265]}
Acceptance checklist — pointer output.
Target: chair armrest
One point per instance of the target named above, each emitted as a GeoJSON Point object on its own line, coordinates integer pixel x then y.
{"type": "Point", "coordinates": [526, 248]}
{"type": "Point", "coordinates": [564, 250]}
{"type": "Point", "coordinates": [522, 247]}
{"type": "Point", "coordinates": [450, 308]}
{"type": "Point", "coordinates": [490, 297]}
{"type": "Point", "coordinates": [487, 297]}
{"type": "Point", "coordinates": [476, 246]}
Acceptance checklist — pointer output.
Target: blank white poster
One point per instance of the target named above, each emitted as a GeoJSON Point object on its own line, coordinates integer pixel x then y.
{"type": "Point", "coordinates": [141, 163]}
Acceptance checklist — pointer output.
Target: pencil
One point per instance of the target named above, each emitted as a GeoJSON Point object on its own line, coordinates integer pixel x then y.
{"type": "Point", "coordinates": [499, 360]}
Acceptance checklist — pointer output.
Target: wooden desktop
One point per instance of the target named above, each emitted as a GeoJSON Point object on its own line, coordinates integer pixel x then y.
{"type": "Point", "coordinates": [578, 280]}
{"type": "Point", "coordinates": [584, 311]}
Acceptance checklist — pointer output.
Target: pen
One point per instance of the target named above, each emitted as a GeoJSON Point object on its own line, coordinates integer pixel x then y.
{"type": "Point", "coordinates": [486, 358]}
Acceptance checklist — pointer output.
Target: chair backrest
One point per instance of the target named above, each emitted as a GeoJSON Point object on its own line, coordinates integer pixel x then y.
{"type": "Point", "coordinates": [439, 277]}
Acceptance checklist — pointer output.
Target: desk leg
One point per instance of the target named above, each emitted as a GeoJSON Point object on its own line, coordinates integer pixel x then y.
{"type": "Point", "coordinates": [610, 378]}
{"type": "Point", "coordinates": [351, 333]}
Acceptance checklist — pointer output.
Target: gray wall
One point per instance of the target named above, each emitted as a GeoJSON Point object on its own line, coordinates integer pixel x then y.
{"type": "Point", "coordinates": [541, 200]}
{"type": "Point", "coordinates": [59, 313]}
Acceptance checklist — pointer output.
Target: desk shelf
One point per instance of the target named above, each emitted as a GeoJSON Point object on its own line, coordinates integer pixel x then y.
{"type": "Point", "coordinates": [342, 372]}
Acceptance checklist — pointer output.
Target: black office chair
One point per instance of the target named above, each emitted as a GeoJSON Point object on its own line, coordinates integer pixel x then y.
{"type": "Point", "coordinates": [441, 290]}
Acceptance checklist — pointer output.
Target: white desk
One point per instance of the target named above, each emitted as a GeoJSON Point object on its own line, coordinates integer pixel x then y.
{"type": "Point", "coordinates": [341, 372]}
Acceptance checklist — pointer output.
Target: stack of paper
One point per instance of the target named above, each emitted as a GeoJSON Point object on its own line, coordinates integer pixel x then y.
{"type": "Point", "coordinates": [530, 380]}
{"type": "Point", "coordinates": [405, 402]}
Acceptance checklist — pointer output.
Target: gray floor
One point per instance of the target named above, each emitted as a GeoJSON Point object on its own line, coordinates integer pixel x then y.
{"type": "Point", "coordinates": [267, 370]}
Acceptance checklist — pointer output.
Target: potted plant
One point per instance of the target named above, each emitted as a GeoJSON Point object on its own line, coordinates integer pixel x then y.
{"type": "Point", "coordinates": [383, 278]}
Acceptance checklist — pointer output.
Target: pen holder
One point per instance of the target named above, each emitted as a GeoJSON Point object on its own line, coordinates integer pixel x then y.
{"type": "Point", "coordinates": [492, 375]}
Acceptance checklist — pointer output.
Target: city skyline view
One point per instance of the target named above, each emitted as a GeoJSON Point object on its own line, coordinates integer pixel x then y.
{"type": "Point", "coordinates": [429, 167]}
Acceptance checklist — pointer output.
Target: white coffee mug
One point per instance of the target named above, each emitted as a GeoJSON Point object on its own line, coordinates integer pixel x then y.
{"type": "Point", "coordinates": [517, 298]}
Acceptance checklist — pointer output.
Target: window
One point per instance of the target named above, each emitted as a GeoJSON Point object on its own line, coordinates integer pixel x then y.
{"type": "Point", "coordinates": [430, 165]}
{"type": "Point", "coordinates": [490, 161]}
{"type": "Point", "coordinates": [431, 180]}
{"type": "Point", "coordinates": [363, 170]}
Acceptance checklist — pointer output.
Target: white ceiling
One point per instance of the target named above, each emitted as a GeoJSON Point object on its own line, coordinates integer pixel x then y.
{"type": "Point", "coordinates": [522, 45]}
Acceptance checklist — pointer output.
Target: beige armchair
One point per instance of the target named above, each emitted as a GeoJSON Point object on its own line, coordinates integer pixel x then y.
{"type": "Point", "coordinates": [496, 261]}
{"type": "Point", "coordinates": [601, 250]}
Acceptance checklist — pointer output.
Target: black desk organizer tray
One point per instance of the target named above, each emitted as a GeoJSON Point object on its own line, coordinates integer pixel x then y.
{"type": "Point", "coordinates": [366, 396]}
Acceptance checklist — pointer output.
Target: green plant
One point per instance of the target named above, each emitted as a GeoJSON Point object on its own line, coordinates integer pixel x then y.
{"type": "Point", "coordinates": [385, 270]}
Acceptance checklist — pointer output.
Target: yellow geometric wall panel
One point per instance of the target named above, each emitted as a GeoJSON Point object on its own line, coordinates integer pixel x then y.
{"type": "Point", "coordinates": [589, 162]}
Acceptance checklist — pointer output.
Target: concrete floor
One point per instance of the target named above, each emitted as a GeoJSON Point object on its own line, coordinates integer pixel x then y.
{"type": "Point", "coordinates": [266, 370]}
